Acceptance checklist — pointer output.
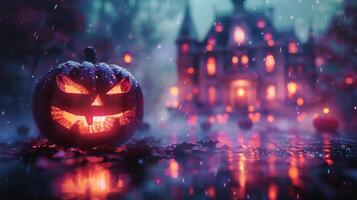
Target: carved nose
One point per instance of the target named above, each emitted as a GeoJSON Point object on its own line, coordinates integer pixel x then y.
{"type": "Point", "coordinates": [97, 101]}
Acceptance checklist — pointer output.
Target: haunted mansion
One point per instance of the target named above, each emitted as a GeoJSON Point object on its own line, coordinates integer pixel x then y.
{"type": "Point", "coordinates": [243, 63]}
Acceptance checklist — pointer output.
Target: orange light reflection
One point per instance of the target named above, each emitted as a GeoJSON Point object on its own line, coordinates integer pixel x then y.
{"type": "Point", "coordinates": [92, 182]}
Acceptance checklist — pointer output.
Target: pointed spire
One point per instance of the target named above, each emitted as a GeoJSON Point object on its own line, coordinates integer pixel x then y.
{"type": "Point", "coordinates": [311, 36]}
{"type": "Point", "coordinates": [238, 5]}
{"type": "Point", "coordinates": [187, 31]}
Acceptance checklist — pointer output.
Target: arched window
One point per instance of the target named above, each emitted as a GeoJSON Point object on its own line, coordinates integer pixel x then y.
{"type": "Point", "coordinates": [211, 66]}
{"type": "Point", "coordinates": [239, 35]}
{"type": "Point", "coordinates": [212, 95]}
{"type": "Point", "coordinates": [269, 63]}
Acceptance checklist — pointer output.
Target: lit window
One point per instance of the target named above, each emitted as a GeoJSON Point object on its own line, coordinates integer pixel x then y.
{"type": "Point", "coordinates": [349, 80]}
{"type": "Point", "coordinates": [128, 58]}
{"type": "Point", "coordinates": [300, 101]}
{"type": "Point", "coordinates": [293, 47]}
{"type": "Point", "coordinates": [190, 70]}
{"type": "Point", "coordinates": [261, 23]}
{"type": "Point", "coordinates": [326, 110]}
{"type": "Point", "coordinates": [212, 95]}
{"type": "Point", "coordinates": [240, 92]}
{"type": "Point", "coordinates": [239, 35]}
{"type": "Point", "coordinates": [245, 59]}
{"type": "Point", "coordinates": [235, 60]}
{"type": "Point", "coordinates": [268, 36]}
{"type": "Point", "coordinates": [211, 66]}
{"type": "Point", "coordinates": [240, 83]}
{"type": "Point", "coordinates": [269, 63]}
{"type": "Point", "coordinates": [210, 44]}
{"type": "Point", "coordinates": [185, 48]}
{"type": "Point", "coordinates": [219, 28]}
{"type": "Point", "coordinates": [292, 88]}
{"type": "Point", "coordinates": [270, 43]}
{"type": "Point", "coordinates": [271, 92]}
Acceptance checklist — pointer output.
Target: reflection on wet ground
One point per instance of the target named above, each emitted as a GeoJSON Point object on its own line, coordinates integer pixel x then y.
{"type": "Point", "coordinates": [242, 166]}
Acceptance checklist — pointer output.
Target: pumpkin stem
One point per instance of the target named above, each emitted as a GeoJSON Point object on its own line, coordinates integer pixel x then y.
{"type": "Point", "coordinates": [90, 54]}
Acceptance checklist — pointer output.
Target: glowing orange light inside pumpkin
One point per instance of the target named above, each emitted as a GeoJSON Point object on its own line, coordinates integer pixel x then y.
{"type": "Point", "coordinates": [261, 24]}
{"type": "Point", "coordinates": [239, 35]}
{"type": "Point", "coordinates": [123, 86]}
{"type": "Point", "coordinates": [269, 63]}
{"type": "Point", "coordinates": [292, 88]}
{"type": "Point", "coordinates": [190, 70]}
{"type": "Point", "coordinates": [349, 80]}
{"type": "Point", "coordinates": [300, 101]}
{"type": "Point", "coordinates": [293, 47]}
{"type": "Point", "coordinates": [211, 66]}
{"type": "Point", "coordinates": [97, 124]}
{"type": "Point", "coordinates": [219, 28]}
{"type": "Point", "coordinates": [212, 95]}
{"type": "Point", "coordinates": [97, 101]}
{"type": "Point", "coordinates": [245, 59]}
{"type": "Point", "coordinates": [66, 85]}
{"type": "Point", "coordinates": [326, 110]}
{"type": "Point", "coordinates": [235, 59]}
{"type": "Point", "coordinates": [271, 93]}
{"type": "Point", "coordinates": [128, 58]}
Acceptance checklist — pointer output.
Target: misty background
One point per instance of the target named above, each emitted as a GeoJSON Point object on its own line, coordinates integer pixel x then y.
{"type": "Point", "coordinates": [36, 35]}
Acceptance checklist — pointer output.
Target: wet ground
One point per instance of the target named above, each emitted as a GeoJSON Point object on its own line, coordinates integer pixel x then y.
{"type": "Point", "coordinates": [245, 165]}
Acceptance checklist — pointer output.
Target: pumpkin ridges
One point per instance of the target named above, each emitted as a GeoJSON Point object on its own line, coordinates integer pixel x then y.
{"type": "Point", "coordinates": [100, 76]}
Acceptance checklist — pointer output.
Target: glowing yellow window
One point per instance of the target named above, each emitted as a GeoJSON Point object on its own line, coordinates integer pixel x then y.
{"type": "Point", "coordinates": [269, 63]}
{"type": "Point", "coordinates": [292, 88]}
{"type": "Point", "coordinates": [271, 93]}
{"type": "Point", "coordinates": [211, 66]}
{"type": "Point", "coordinates": [239, 35]}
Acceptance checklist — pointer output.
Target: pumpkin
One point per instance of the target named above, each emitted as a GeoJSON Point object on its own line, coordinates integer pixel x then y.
{"type": "Point", "coordinates": [87, 104]}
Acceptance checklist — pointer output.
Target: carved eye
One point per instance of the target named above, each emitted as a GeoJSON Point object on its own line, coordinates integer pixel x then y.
{"type": "Point", "coordinates": [66, 85]}
{"type": "Point", "coordinates": [122, 87]}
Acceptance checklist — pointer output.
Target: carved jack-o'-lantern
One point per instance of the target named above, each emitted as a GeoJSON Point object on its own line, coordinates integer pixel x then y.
{"type": "Point", "coordinates": [87, 104]}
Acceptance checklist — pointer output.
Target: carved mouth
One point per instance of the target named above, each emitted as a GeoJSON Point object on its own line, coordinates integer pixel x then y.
{"type": "Point", "coordinates": [99, 124]}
